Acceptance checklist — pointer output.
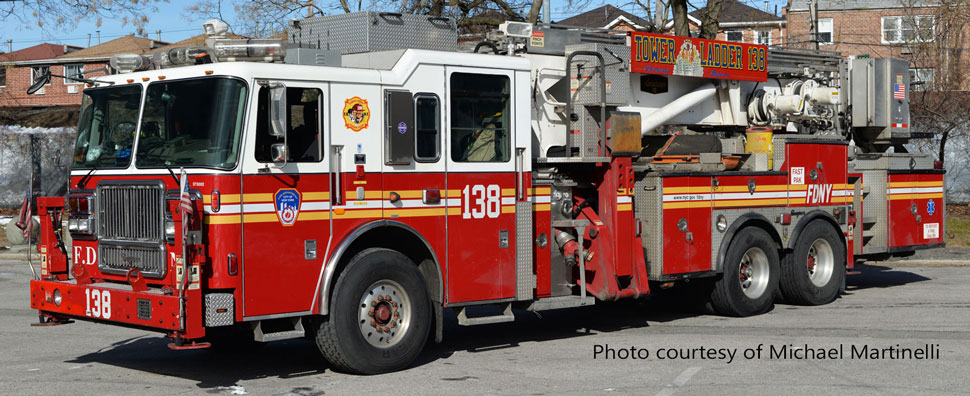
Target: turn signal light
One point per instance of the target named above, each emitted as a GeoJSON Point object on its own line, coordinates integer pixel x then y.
{"type": "Point", "coordinates": [431, 196]}
{"type": "Point", "coordinates": [215, 198]}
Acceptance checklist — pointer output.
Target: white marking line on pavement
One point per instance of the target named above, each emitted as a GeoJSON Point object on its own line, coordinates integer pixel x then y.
{"type": "Point", "coordinates": [680, 381]}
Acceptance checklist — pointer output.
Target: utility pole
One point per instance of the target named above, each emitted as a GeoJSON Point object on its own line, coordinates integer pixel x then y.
{"type": "Point", "coordinates": [658, 19]}
{"type": "Point", "coordinates": [813, 22]}
{"type": "Point", "coordinates": [546, 12]}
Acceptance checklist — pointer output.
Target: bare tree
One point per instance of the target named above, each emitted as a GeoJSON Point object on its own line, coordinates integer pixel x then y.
{"type": "Point", "coordinates": [676, 11]}
{"type": "Point", "coordinates": [267, 17]}
{"type": "Point", "coordinates": [938, 39]}
{"type": "Point", "coordinates": [56, 15]}
{"type": "Point", "coordinates": [709, 21]}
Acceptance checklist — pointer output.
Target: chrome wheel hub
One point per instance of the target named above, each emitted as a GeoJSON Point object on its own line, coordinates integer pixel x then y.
{"type": "Point", "coordinates": [753, 272]}
{"type": "Point", "coordinates": [820, 262]}
{"type": "Point", "coordinates": [385, 313]}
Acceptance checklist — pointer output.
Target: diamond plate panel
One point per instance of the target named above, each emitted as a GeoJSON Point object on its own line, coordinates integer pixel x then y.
{"type": "Point", "coordinates": [617, 58]}
{"type": "Point", "coordinates": [875, 204]}
{"type": "Point", "coordinates": [648, 207]}
{"type": "Point", "coordinates": [374, 31]}
{"type": "Point", "coordinates": [525, 280]}
{"type": "Point", "coordinates": [219, 309]}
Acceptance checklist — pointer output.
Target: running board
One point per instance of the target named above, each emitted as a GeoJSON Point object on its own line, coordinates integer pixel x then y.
{"type": "Point", "coordinates": [506, 316]}
{"type": "Point", "coordinates": [297, 332]}
{"type": "Point", "coordinates": [550, 303]}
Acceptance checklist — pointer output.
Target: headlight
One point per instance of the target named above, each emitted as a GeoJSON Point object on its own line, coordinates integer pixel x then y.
{"type": "Point", "coordinates": [81, 225]}
{"type": "Point", "coordinates": [57, 297]}
{"type": "Point", "coordinates": [721, 223]}
{"type": "Point", "coordinates": [84, 226]}
{"type": "Point", "coordinates": [170, 230]}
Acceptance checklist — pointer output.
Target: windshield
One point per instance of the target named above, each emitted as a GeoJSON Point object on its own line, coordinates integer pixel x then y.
{"type": "Point", "coordinates": [192, 123]}
{"type": "Point", "coordinates": [107, 127]}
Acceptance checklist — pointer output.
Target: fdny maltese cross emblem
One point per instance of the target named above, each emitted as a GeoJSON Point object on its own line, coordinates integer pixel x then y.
{"type": "Point", "coordinates": [287, 206]}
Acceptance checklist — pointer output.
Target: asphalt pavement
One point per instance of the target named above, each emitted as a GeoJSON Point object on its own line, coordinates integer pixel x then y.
{"type": "Point", "coordinates": [658, 346]}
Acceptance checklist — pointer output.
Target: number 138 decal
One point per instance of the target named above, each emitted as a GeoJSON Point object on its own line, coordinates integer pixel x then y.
{"type": "Point", "coordinates": [98, 303]}
{"type": "Point", "coordinates": [479, 201]}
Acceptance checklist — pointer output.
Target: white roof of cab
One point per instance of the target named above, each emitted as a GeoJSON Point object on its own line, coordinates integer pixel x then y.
{"type": "Point", "coordinates": [405, 64]}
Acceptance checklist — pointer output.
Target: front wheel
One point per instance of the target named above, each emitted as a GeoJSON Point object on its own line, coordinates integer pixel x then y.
{"type": "Point", "coordinates": [380, 314]}
{"type": "Point", "coordinates": [750, 279]}
{"type": "Point", "coordinates": [814, 271]}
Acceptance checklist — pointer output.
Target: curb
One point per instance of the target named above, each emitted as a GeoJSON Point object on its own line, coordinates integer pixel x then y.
{"type": "Point", "coordinates": [922, 263]}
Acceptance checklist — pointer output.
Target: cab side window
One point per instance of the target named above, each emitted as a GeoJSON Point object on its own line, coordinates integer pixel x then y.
{"type": "Point", "coordinates": [304, 131]}
{"type": "Point", "coordinates": [480, 118]}
{"type": "Point", "coordinates": [427, 119]}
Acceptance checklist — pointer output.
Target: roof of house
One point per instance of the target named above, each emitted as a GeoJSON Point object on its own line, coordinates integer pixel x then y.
{"type": "Point", "coordinates": [39, 51]}
{"type": "Point", "coordinates": [604, 17]}
{"type": "Point", "coordinates": [120, 45]}
{"type": "Point", "coordinates": [833, 5]}
{"type": "Point", "coordinates": [193, 42]}
{"type": "Point", "coordinates": [733, 11]}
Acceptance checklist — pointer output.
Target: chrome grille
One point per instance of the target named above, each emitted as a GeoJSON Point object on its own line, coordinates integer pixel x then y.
{"type": "Point", "coordinates": [149, 261]}
{"type": "Point", "coordinates": [131, 227]}
{"type": "Point", "coordinates": [131, 211]}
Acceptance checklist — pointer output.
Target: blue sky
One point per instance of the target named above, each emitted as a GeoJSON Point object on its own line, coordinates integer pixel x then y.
{"type": "Point", "coordinates": [175, 25]}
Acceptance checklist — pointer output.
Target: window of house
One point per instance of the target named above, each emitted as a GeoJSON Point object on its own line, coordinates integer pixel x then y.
{"type": "Point", "coordinates": [734, 35]}
{"type": "Point", "coordinates": [37, 71]}
{"type": "Point", "coordinates": [427, 119]}
{"type": "Point", "coordinates": [763, 37]}
{"type": "Point", "coordinates": [304, 131]}
{"type": "Point", "coordinates": [3, 76]}
{"type": "Point", "coordinates": [76, 70]}
{"type": "Point", "coordinates": [825, 29]}
{"type": "Point", "coordinates": [908, 29]}
{"type": "Point", "coordinates": [921, 79]}
{"type": "Point", "coordinates": [480, 118]}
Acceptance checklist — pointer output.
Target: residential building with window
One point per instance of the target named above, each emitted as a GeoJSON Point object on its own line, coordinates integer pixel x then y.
{"type": "Point", "coordinates": [876, 28]}
{"type": "Point", "coordinates": [744, 24]}
{"type": "Point", "coordinates": [19, 69]}
{"type": "Point", "coordinates": [607, 17]}
{"type": "Point", "coordinates": [22, 68]}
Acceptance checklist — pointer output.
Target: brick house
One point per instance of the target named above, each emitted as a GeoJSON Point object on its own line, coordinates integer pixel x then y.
{"type": "Point", "coordinates": [17, 69]}
{"type": "Point", "coordinates": [92, 61]}
{"type": "Point", "coordinates": [876, 28]}
{"type": "Point", "coordinates": [607, 17]}
{"type": "Point", "coordinates": [742, 23]}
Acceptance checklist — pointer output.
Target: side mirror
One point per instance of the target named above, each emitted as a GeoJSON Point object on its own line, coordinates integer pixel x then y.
{"type": "Point", "coordinates": [40, 83]}
{"type": "Point", "coordinates": [278, 152]}
{"type": "Point", "coordinates": [277, 110]}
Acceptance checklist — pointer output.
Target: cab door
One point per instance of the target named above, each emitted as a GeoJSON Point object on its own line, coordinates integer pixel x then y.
{"type": "Point", "coordinates": [481, 180]}
{"type": "Point", "coordinates": [285, 203]}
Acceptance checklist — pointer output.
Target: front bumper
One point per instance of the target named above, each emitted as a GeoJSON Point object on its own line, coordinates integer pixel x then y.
{"type": "Point", "coordinates": [106, 302]}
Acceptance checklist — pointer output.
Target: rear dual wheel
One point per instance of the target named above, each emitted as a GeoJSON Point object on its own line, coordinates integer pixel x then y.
{"type": "Point", "coordinates": [814, 272]}
{"type": "Point", "coordinates": [750, 278]}
{"type": "Point", "coordinates": [380, 314]}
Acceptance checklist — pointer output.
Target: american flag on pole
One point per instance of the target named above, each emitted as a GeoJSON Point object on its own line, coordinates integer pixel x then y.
{"type": "Point", "coordinates": [23, 222]}
{"type": "Point", "coordinates": [185, 200]}
{"type": "Point", "coordinates": [899, 92]}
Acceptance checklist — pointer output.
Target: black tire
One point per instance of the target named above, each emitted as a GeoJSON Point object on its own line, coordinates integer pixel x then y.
{"type": "Point", "coordinates": [730, 296]}
{"type": "Point", "coordinates": [340, 336]}
{"type": "Point", "coordinates": [814, 271]}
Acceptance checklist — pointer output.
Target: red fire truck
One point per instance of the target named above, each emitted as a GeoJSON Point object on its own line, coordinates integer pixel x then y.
{"type": "Point", "coordinates": [352, 182]}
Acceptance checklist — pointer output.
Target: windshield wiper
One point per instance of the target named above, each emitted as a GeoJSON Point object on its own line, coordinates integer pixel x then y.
{"type": "Point", "coordinates": [164, 163]}
{"type": "Point", "coordinates": [80, 183]}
